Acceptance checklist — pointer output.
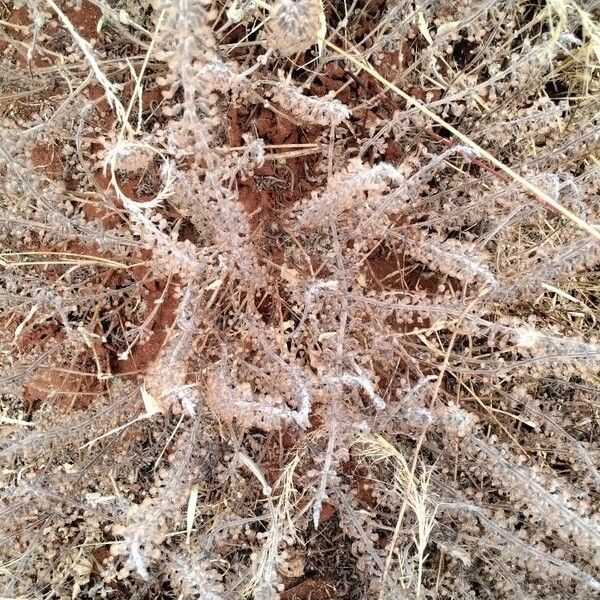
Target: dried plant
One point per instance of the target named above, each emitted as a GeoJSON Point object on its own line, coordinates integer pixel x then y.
{"type": "Point", "coordinates": [299, 299]}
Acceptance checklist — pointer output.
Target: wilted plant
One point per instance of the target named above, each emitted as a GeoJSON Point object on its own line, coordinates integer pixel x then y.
{"type": "Point", "coordinates": [299, 299]}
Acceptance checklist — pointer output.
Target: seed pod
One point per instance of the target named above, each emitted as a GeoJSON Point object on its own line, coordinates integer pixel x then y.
{"type": "Point", "coordinates": [294, 25]}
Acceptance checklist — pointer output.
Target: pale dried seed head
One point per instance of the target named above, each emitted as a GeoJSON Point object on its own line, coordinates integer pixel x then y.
{"type": "Point", "coordinates": [294, 25]}
{"type": "Point", "coordinates": [324, 110]}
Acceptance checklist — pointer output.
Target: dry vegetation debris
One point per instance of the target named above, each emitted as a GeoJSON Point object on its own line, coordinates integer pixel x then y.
{"type": "Point", "coordinates": [299, 299]}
